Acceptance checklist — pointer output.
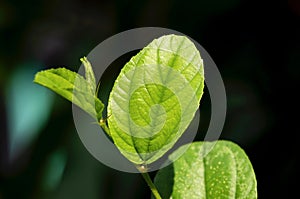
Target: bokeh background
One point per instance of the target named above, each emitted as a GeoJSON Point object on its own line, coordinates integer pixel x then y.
{"type": "Point", "coordinates": [255, 45]}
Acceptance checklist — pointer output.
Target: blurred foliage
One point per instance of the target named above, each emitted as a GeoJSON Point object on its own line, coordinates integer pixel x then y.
{"type": "Point", "coordinates": [35, 104]}
{"type": "Point", "coordinates": [255, 50]}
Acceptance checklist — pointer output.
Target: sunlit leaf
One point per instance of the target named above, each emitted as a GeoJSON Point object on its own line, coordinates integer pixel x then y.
{"type": "Point", "coordinates": [62, 81]}
{"type": "Point", "coordinates": [155, 98]}
{"type": "Point", "coordinates": [89, 74]}
{"type": "Point", "coordinates": [225, 172]}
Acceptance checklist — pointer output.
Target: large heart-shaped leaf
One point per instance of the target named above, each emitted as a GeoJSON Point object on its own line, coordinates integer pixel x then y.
{"type": "Point", "coordinates": [74, 87]}
{"type": "Point", "coordinates": [225, 172]}
{"type": "Point", "coordinates": [155, 98]}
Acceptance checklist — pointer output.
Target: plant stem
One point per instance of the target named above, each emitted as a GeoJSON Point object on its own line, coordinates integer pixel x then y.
{"type": "Point", "coordinates": [102, 123]}
{"type": "Point", "coordinates": [151, 185]}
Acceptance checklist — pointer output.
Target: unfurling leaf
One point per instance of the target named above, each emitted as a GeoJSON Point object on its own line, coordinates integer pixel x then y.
{"type": "Point", "coordinates": [89, 74]}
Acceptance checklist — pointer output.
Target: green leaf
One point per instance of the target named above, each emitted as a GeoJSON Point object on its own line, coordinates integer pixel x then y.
{"type": "Point", "coordinates": [89, 74]}
{"type": "Point", "coordinates": [73, 87]}
{"type": "Point", "coordinates": [155, 97]}
{"type": "Point", "coordinates": [225, 172]}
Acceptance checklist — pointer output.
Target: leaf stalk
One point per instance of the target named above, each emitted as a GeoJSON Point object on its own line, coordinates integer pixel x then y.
{"type": "Point", "coordinates": [151, 185]}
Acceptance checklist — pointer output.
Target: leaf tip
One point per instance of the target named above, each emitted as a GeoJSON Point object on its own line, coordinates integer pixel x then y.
{"type": "Point", "coordinates": [83, 59]}
{"type": "Point", "coordinates": [37, 77]}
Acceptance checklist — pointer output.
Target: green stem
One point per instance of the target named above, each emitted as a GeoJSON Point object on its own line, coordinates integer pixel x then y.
{"type": "Point", "coordinates": [151, 185]}
{"type": "Point", "coordinates": [102, 123]}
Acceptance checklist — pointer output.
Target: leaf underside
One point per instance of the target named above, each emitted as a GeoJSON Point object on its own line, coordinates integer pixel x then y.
{"type": "Point", "coordinates": [225, 172]}
{"type": "Point", "coordinates": [155, 98]}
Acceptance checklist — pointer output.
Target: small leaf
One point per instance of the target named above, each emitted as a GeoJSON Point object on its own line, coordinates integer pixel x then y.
{"type": "Point", "coordinates": [62, 81]}
{"type": "Point", "coordinates": [89, 74]}
{"type": "Point", "coordinates": [225, 172]}
{"type": "Point", "coordinates": [155, 98]}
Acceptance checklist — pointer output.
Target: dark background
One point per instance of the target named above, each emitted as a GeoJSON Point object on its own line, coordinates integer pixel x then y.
{"type": "Point", "coordinates": [254, 44]}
